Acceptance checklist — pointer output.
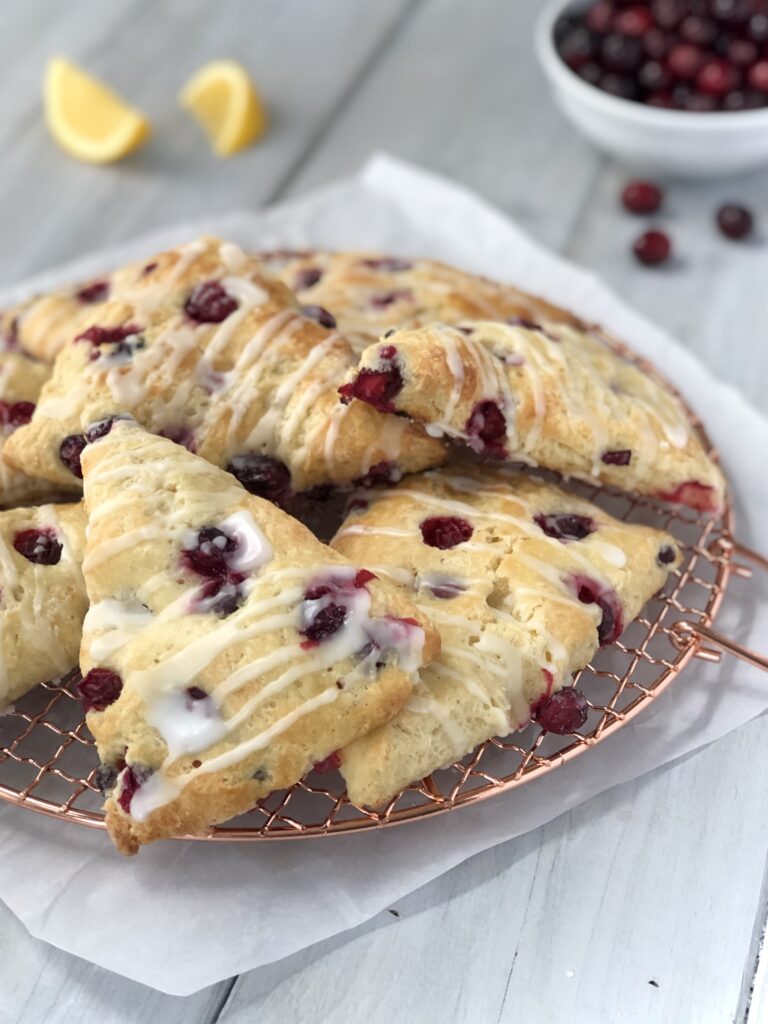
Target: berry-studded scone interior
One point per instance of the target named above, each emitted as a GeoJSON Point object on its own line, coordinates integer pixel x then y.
{"type": "Point", "coordinates": [199, 347]}
{"type": "Point", "coordinates": [226, 650]}
{"type": "Point", "coordinates": [550, 395]}
{"type": "Point", "coordinates": [523, 580]}
{"type": "Point", "coordinates": [367, 293]}
{"type": "Point", "coordinates": [42, 598]}
{"type": "Point", "coordinates": [21, 380]}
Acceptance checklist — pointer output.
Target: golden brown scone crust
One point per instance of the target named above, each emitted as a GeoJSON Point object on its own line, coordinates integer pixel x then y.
{"type": "Point", "coordinates": [505, 598]}
{"type": "Point", "coordinates": [554, 396]}
{"type": "Point", "coordinates": [368, 293]}
{"type": "Point", "coordinates": [21, 380]}
{"type": "Point", "coordinates": [260, 382]}
{"type": "Point", "coordinates": [41, 605]}
{"type": "Point", "coordinates": [154, 620]}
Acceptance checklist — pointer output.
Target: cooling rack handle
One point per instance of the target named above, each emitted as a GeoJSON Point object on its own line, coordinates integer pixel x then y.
{"type": "Point", "coordinates": [687, 633]}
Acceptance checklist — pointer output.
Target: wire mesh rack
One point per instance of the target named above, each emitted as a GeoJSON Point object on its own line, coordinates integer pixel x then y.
{"type": "Point", "coordinates": [48, 759]}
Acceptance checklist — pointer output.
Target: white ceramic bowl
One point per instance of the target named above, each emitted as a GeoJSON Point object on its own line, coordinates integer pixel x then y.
{"type": "Point", "coordinates": [676, 142]}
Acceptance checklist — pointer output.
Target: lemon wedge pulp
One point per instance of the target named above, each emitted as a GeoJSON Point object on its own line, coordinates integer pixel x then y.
{"type": "Point", "coordinates": [222, 97]}
{"type": "Point", "coordinates": [88, 119]}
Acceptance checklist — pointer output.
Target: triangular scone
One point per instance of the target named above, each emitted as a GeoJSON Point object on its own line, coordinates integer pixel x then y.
{"type": "Point", "coordinates": [523, 581]}
{"type": "Point", "coordinates": [226, 650]}
{"type": "Point", "coordinates": [42, 595]}
{"type": "Point", "coordinates": [21, 379]}
{"type": "Point", "coordinates": [552, 395]}
{"type": "Point", "coordinates": [199, 347]}
{"type": "Point", "coordinates": [368, 292]}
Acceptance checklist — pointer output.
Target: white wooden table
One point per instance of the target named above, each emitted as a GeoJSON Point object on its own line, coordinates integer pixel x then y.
{"type": "Point", "coordinates": [646, 905]}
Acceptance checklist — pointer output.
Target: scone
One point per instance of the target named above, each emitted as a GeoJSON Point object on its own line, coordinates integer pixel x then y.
{"type": "Point", "coordinates": [226, 650]}
{"type": "Point", "coordinates": [367, 292]}
{"type": "Point", "coordinates": [199, 347]}
{"type": "Point", "coordinates": [21, 379]}
{"type": "Point", "coordinates": [550, 395]}
{"type": "Point", "coordinates": [42, 595]}
{"type": "Point", "coordinates": [523, 580]}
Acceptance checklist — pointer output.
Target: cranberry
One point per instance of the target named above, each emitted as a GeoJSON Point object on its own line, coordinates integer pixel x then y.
{"type": "Point", "coordinates": [179, 435]}
{"type": "Point", "coordinates": [332, 763]}
{"type": "Point", "coordinates": [122, 340]}
{"type": "Point", "coordinates": [717, 77]}
{"type": "Point", "coordinates": [758, 75]}
{"type": "Point", "coordinates": [39, 546]}
{"type": "Point", "coordinates": [321, 619]}
{"type": "Point", "coordinates": [732, 12]}
{"type": "Point", "coordinates": [147, 270]}
{"type": "Point", "coordinates": [99, 688]}
{"type": "Point", "coordinates": [320, 315]}
{"type": "Point", "coordinates": [634, 21]}
{"type": "Point", "coordinates": [95, 292]}
{"type": "Point", "coordinates": [263, 476]}
{"type": "Point", "coordinates": [698, 30]}
{"type": "Point", "coordinates": [376, 387]}
{"type": "Point", "coordinates": [685, 61]}
{"type": "Point", "coordinates": [617, 458]}
{"type": "Point", "coordinates": [742, 53]}
{"type": "Point", "coordinates": [105, 778]}
{"type": "Point", "coordinates": [653, 76]}
{"type": "Point", "coordinates": [600, 17]}
{"type": "Point", "coordinates": [445, 532]}
{"type": "Point", "coordinates": [562, 713]}
{"type": "Point", "coordinates": [661, 99]}
{"type": "Point", "coordinates": [102, 427]}
{"type": "Point", "coordinates": [379, 474]}
{"type": "Point", "coordinates": [699, 102]}
{"type": "Point", "coordinates": [694, 495]}
{"type": "Point", "coordinates": [196, 693]}
{"type": "Point", "coordinates": [388, 264]}
{"type": "Point", "coordinates": [621, 86]}
{"type": "Point", "coordinates": [16, 414]}
{"type": "Point", "coordinates": [669, 13]}
{"type": "Point", "coordinates": [487, 429]}
{"type": "Point", "coordinates": [307, 277]}
{"type": "Point", "coordinates": [578, 47]}
{"type": "Point", "coordinates": [566, 526]}
{"type": "Point", "coordinates": [657, 43]}
{"type": "Point", "coordinates": [132, 779]}
{"type": "Point", "coordinates": [590, 73]}
{"type": "Point", "coordinates": [641, 197]}
{"type": "Point", "coordinates": [734, 221]}
{"type": "Point", "coordinates": [387, 298]}
{"type": "Point", "coordinates": [652, 248]}
{"type": "Point", "coordinates": [209, 555]}
{"type": "Point", "coordinates": [209, 303]}
{"type": "Point", "coordinates": [447, 589]}
{"type": "Point", "coordinates": [356, 505]}
{"type": "Point", "coordinates": [589, 591]}
{"type": "Point", "coordinates": [221, 595]}
{"type": "Point", "coordinates": [757, 29]}
{"type": "Point", "coordinates": [667, 555]}
{"type": "Point", "coordinates": [70, 450]}
{"type": "Point", "coordinates": [621, 54]}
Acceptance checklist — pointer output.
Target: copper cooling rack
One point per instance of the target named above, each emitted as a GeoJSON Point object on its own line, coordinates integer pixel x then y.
{"type": "Point", "coordinates": [48, 759]}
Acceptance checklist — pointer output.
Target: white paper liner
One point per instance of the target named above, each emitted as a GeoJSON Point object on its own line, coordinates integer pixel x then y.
{"type": "Point", "coordinates": [181, 916]}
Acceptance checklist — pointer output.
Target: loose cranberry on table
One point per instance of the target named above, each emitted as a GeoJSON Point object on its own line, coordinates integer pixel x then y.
{"type": "Point", "coordinates": [652, 248]}
{"type": "Point", "coordinates": [693, 55]}
{"type": "Point", "coordinates": [642, 197]}
{"type": "Point", "coordinates": [734, 221]}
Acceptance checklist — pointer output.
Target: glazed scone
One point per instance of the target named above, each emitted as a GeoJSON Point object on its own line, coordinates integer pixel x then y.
{"type": "Point", "coordinates": [523, 580]}
{"type": "Point", "coordinates": [226, 650]}
{"type": "Point", "coordinates": [42, 595]}
{"type": "Point", "coordinates": [367, 292]}
{"type": "Point", "coordinates": [21, 380]}
{"type": "Point", "coordinates": [201, 348]}
{"type": "Point", "coordinates": [553, 396]}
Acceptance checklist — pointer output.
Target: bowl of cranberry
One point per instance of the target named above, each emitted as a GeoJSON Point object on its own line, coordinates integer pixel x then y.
{"type": "Point", "coordinates": [672, 86]}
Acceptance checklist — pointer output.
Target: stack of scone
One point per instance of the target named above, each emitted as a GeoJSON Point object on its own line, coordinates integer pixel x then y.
{"type": "Point", "coordinates": [199, 397]}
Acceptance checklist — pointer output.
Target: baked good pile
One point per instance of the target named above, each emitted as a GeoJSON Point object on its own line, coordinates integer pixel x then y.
{"type": "Point", "coordinates": [166, 429]}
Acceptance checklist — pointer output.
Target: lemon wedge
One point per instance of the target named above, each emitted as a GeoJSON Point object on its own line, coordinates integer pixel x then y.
{"type": "Point", "coordinates": [222, 97]}
{"type": "Point", "coordinates": [87, 119]}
